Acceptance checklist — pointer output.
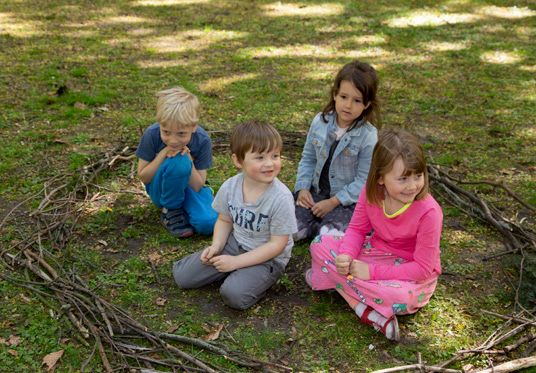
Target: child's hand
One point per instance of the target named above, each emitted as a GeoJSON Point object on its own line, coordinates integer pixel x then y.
{"type": "Point", "coordinates": [321, 208]}
{"type": "Point", "coordinates": [186, 150]}
{"type": "Point", "coordinates": [343, 262]}
{"type": "Point", "coordinates": [360, 270]}
{"type": "Point", "coordinates": [224, 263]}
{"type": "Point", "coordinates": [305, 199]}
{"type": "Point", "coordinates": [170, 152]}
{"type": "Point", "coordinates": [208, 253]}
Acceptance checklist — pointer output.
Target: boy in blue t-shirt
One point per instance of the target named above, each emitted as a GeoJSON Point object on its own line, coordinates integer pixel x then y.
{"type": "Point", "coordinates": [174, 155]}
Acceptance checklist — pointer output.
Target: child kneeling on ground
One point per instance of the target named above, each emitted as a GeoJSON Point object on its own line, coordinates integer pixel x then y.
{"type": "Point", "coordinates": [252, 239]}
{"type": "Point", "coordinates": [174, 155]}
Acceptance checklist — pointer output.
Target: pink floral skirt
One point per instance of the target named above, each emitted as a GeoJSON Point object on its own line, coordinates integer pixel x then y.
{"type": "Point", "coordinates": [388, 297]}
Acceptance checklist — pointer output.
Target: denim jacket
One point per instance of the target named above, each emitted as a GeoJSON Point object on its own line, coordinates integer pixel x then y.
{"type": "Point", "coordinates": [350, 164]}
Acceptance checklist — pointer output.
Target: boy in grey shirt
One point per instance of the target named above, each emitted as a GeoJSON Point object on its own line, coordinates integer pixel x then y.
{"type": "Point", "coordinates": [252, 238]}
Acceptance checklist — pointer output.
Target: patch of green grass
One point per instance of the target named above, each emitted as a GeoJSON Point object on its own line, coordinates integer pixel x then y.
{"type": "Point", "coordinates": [39, 334]}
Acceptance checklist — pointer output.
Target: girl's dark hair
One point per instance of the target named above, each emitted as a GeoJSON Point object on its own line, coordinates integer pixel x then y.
{"type": "Point", "coordinates": [394, 143]}
{"type": "Point", "coordinates": [364, 78]}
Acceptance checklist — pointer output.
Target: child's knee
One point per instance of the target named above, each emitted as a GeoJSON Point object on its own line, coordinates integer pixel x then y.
{"type": "Point", "coordinates": [181, 276]}
{"type": "Point", "coordinates": [178, 166]}
{"type": "Point", "coordinates": [236, 299]}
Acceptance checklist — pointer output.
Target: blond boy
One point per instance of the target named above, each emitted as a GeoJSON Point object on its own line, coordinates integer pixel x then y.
{"type": "Point", "coordinates": [174, 155]}
{"type": "Point", "coordinates": [252, 239]}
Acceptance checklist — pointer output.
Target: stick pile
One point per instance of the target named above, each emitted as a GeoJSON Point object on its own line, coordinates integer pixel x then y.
{"type": "Point", "coordinates": [122, 342]}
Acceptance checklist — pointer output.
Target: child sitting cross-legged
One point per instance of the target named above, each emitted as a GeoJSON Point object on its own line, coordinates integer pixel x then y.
{"type": "Point", "coordinates": [252, 238]}
{"type": "Point", "coordinates": [396, 271]}
{"type": "Point", "coordinates": [174, 155]}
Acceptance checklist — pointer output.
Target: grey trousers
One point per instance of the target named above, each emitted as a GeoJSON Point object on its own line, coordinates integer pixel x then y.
{"type": "Point", "coordinates": [241, 288]}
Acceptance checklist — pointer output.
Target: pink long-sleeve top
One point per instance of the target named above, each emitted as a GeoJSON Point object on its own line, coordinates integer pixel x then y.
{"type": "Point", "coordinates": [413, 235]}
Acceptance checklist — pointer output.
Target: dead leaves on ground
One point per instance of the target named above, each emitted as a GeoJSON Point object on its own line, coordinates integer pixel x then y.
{"type": "Point", "coordinates": [51, 360]}
{"type": "Point", "coordinates": [213, 332]}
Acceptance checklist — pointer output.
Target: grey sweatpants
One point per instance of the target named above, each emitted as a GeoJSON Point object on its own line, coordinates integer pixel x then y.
{"type": "Point", "coordinates": [241, 288]}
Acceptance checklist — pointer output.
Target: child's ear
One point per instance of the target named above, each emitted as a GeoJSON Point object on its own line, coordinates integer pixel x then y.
{"type": "Point", "coordinates": [236, 161]}
{"type": "Point", "coordinates": [380, 180]}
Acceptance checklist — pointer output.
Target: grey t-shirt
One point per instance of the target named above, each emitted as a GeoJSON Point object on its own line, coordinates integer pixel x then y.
{"type": "Point", "coordinates": [254, 223]}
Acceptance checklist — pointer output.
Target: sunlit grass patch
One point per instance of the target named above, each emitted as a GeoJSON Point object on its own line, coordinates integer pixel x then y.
{"type": "Point", "coordinates": [501, 57]}
{"type": "Point", "coordinates": [422, 18]}
{"type": "Point", "coordinates": [507, 12]}
{"type": "Point", "coordinates": [11, 25]}
{"type": "Point", "coordinates": [170, 2]}
{"type": "Point", "coordinates": [302, 10]}
{"type": "Point", "coordinates": [219, 84]}
{"type": "Point", "coordinates": [446, 46]}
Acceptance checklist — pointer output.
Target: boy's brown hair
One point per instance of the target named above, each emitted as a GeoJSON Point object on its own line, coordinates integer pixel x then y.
{"type": "Point", "coordinates": [177, 106]}
{"type": "Point", "coordinates": [394, 143]}
{"type": "Point", "coordinates": [256, 137]}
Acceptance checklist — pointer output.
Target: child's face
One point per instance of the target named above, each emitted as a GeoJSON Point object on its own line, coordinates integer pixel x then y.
{"type": "Point", "coordinates": [260, 167]}
{"type": "Point", "coordinates": [401, 189]}
{"type": "Point", "coordinates": [348, 104]}
{"type": "Point", "coordinates": [175, 136]}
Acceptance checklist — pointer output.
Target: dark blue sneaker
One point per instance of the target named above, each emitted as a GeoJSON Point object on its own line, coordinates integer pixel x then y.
{"type": "Point", "coordinates": [176, 222]}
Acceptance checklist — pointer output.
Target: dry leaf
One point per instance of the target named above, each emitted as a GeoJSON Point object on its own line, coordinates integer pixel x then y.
{"type": "Point", "coordinates": [468, 368]}
{"type": "Point", "coordinates": [160, 301]}
{"type": "Point", "coordinates": [214, 333]}
{"type": "Point", "coordinates": [14, 340]}
{"type": "Point", "coordinates": [51, 360]}
{"type": "Point", "coordinates": [3, 341]}
{"type": "Point", "coordinates": [13, 352]}
{"type": "Point", "coordinates": [172, 329]}
{"type": "Point", "coordinates": [155, 258]}
{"type": "Point", "coordinates": [25, 299]}
{"type": "Point", "coordinates": [102, 242]}
{"type": "Point", "coordinates": [80, 105]}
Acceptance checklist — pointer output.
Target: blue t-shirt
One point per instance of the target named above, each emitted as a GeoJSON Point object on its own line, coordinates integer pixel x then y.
{"type": "Point", "coordinates": [200, 146]}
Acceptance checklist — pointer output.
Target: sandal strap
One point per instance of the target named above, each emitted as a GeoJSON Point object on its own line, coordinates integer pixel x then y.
{"type": "Point", "coordinates": [175, 220]}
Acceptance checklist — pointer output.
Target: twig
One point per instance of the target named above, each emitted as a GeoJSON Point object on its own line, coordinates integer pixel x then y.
{"type": "Point", "coordinates": [417, 367]}
{"type": "Point", "coordinates": [517, 319]}
{"type": "Point", "coordinates": [513, 365]}
{"type": "Point", "coordinates": [155, 273]}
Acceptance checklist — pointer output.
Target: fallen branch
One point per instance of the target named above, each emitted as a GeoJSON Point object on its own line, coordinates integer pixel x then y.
{"type": "Point", "coordinates": [512, 366]}
{"type": "Point", "coordinates": [419, 367]}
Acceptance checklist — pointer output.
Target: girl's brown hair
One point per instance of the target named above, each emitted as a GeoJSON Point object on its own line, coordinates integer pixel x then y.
{"type": "Point", "coordinates": [394, 143]}
{"type": "Point", "coordinates": [256, 137]}
{"type": "Point", "coordinates": [364, 78]}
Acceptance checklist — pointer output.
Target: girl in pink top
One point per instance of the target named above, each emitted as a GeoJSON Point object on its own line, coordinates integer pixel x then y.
{"type": "Point", "coordinates": [394, 270]}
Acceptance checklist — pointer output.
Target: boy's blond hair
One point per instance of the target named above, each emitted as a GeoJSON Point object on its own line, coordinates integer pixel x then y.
{"type": "Point", "coordinates": [255, 137]}
{"type": "Point", "coordinates": [177, 106]}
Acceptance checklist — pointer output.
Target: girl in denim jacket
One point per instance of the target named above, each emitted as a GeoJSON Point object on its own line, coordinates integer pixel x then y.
{"type": "Point", "coordinates": [336, 157]}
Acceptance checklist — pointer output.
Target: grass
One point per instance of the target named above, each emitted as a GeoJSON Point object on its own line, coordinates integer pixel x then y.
{"type": "Point", "coordinates": [81, 77]}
